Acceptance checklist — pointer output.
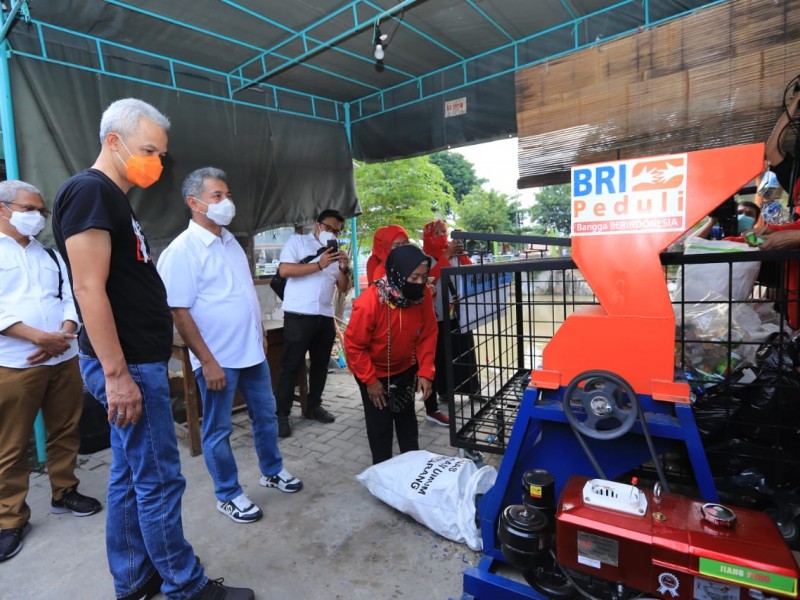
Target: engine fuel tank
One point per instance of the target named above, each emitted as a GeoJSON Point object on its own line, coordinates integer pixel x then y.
{"type": "Point", "coordinates": [671, 546]}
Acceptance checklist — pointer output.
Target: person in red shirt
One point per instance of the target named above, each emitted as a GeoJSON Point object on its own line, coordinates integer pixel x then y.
{"type": "Point", "coordinates": [449, 253]}
{"type": "Point", "coordinates": [786, 236]}
{"type": "Point", "coordinates": [390, 343]}
{"type": "Point", "coordinates": [386, 239]}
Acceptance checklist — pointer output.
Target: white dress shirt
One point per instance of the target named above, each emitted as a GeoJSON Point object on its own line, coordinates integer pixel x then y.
{"type": "Point", "coordinates": [29, 295]}
{"type": "Point", "coordinates": [310, 294]}
{"type": "Point", "coordinates": [210, 276]}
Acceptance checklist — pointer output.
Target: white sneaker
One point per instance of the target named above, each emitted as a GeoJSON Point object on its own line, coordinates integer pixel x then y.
{"type": "Point", "coordinates": [240, 509]}
{"type": "Point", "coordinates": [284, 481]}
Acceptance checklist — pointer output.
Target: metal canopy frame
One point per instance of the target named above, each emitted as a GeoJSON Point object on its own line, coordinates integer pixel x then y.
{"type": "Point", "coordinates": [333, 50]}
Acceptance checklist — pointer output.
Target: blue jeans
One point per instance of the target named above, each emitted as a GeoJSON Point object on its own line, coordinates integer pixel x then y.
{"type": "Point", "coordinates": [144, 531]}
{"type": "Point", "coordinates": [256, 389]}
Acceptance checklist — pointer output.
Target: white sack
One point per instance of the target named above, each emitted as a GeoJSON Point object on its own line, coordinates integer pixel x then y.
{"type": "Point", "coordinates": [437, 491]}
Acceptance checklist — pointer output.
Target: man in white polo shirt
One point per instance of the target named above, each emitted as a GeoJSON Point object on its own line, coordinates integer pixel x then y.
{"type": "Point", "coordinates": [308, 313]}
{"type": "Point", "coordinates": [38, 366]}
{"type": "Point", "coordinates": [210, 292]}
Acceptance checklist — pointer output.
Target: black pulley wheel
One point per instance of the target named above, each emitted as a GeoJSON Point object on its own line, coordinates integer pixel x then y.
{"type": "Point", "coordinates": [609, 405]}
{"type": "Point", "coordinates": [548, 579]}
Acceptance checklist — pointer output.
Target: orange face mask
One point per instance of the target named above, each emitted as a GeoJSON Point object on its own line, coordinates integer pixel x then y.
{"type": "Point", "coordinates": [143, 171]}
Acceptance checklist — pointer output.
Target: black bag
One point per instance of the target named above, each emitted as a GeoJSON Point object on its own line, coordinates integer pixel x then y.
{"type": "Point", "coordinates": [400, 389]}
{"type": "Point", "coordinates": [94, 428]}
{"type": "Point", "coordinates": [278, 283]}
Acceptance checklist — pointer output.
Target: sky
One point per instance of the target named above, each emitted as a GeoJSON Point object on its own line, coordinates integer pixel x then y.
{"type": "Point", "coordinates": [497, 162]}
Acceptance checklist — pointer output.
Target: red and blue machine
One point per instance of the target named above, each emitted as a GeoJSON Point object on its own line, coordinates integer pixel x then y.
{"type": "Point", "coordinates": [605, 400]}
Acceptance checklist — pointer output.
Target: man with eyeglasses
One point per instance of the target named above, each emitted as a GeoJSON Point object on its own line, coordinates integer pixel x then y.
{"type": "Point", "coordinates": [313, 267]}
{"type": "Point", "coordinates": [38, 366]}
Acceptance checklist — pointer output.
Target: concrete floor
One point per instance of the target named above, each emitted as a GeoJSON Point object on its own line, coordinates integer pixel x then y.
{"type": "Point", "coordinates": [332, 540]}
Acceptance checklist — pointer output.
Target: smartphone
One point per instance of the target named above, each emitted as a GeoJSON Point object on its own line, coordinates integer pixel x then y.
{"type": "Point", "coordinates": [333, 245]}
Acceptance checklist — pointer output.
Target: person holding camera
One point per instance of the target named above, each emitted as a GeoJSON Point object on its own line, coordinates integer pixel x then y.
{"type": "Point", "coordinates": [308, 324]}
{"type": "Point", "coordinates": [215, 309]}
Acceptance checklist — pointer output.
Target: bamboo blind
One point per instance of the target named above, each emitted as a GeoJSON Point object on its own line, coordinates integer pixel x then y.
{"type": "Point", "coordinates": [713, 78]}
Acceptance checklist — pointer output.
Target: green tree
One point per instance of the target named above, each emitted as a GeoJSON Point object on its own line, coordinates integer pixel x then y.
{"type": "Point", "coordinates": [458, 171]}
{"type": "Point", "coordinates": [552, 212]}
{"type": "Point", "coordinates": [408, 192]}
{"type": "Point", "coordinates": [490, 211]}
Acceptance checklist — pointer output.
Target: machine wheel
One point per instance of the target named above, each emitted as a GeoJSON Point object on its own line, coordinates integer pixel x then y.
{"type": "Point", "coordinates": [610, 406]}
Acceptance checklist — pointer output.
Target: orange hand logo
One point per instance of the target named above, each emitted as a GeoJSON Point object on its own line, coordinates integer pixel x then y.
{"type": "Point", "coordinates": [657, 174]}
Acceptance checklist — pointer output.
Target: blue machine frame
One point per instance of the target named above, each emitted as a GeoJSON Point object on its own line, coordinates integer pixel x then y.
{"type": "Point", "coordinates": [543, 439]}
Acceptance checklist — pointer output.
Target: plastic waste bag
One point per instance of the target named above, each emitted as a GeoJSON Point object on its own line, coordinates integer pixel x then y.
{"type": "Point", "coordinates": [435, 490]}
{"type": "Point", "coordinates": [700, 279]}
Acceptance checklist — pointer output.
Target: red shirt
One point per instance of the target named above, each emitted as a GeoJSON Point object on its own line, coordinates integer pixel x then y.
{"type": "Point", "coordinates": [412, 328]}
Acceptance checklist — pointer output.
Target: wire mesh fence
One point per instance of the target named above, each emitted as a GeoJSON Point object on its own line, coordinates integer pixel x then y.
{"type": "Point", "coordinates": [736, 344]}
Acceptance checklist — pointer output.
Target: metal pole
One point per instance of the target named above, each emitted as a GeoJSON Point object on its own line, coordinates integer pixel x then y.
{"type": "Point", "coordinates": [7, 115]}
{"type": "Point", "coordinates": [353, 222]}
{"type": "Point", "coordinates": [10, 20]}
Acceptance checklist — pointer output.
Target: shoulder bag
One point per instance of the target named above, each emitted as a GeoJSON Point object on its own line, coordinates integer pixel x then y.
{"type": "Point", "coordinates": [278, 282]}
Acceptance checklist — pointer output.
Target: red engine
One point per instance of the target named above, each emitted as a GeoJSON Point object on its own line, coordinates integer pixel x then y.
{"type": "Point", "coordinates": [671, 546]}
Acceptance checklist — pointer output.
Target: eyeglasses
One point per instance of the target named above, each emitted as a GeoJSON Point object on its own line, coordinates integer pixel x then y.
{"type": "Point", "coordinates": [30, 208]}
{"type": "Point", "coordinates": [330, 229]}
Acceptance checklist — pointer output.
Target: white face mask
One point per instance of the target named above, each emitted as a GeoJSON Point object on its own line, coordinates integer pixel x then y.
{"type": "Point", "coordinates": [221, 213]}
{"type": "Point", "coordinates": [28, 223]}
{"type": "Point", "coordinates": [325, 236]}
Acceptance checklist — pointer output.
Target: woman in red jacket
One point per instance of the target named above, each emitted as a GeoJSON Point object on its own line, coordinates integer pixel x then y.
{"type": "Point", "coordinates": [390, 343]}
{"type": "Point", "coordinates": [449, 253]}
{"type": "Point", "coordinates": [386, 239]}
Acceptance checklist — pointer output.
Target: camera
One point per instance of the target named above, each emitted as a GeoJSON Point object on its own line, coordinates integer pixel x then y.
{"type": "Point", "coordinates": [333, 245]}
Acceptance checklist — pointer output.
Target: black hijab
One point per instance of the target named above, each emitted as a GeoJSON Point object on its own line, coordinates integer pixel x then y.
{"type": "Point", "coordinates": [400, 263]}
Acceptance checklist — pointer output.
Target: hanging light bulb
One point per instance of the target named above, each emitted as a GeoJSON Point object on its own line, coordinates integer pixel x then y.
{"type": "Point", "coordinates": [380, 44]}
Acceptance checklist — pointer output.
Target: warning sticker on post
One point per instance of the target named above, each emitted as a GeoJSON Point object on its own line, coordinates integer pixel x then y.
{"type": "Point", "coordinates": [630, 196]}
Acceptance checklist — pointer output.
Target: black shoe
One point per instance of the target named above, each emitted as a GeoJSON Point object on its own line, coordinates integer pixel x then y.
{"type": "Point", "coordinates": [284, 426]}
{"type": "Point", "coordinates": [150, 589]}
{"type": "Point", "coordinates": [11, 540]}
{"type": "Point", "coordinates": [214, 590]}
{"type": "Point", "coordinates": [76, 503]}
{"type": "Point", "coordinates": [320, 414]}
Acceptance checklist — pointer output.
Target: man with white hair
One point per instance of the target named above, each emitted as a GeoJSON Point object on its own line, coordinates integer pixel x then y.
{"type": "Point", "coordinates": [125, 346]}
{"type": "Point", "coordinates": [38, 366]}
{"type": "Point", "coordinates": [215, 307]}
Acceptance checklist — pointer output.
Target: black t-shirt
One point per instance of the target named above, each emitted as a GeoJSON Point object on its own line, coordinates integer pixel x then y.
{"type": "Point", "coordinates": [90, 200]}
{"type": "Point", "coordinates": [783, 170]}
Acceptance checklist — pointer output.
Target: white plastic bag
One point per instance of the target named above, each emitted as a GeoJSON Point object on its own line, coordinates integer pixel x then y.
{"type": "Point", "coordinates": [435, 490]}
{"type": "Point", "coordinates": [701, 279]}
{"type": "Point", "coordinates": [478, 484]}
